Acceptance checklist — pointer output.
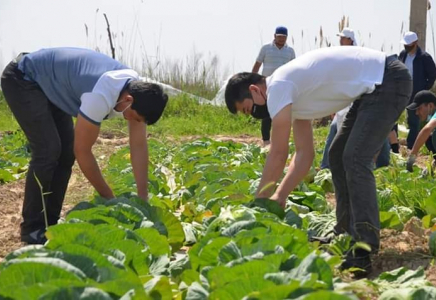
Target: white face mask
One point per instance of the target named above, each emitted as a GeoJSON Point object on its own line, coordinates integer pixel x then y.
{"type": "Point", "coordinates": [117, 114]}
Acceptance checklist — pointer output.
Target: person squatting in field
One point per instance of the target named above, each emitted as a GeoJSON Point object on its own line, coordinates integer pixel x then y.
{"type": "Point", "coordinates": [424, 107]}
{"type": "Point", "coordinates": [44, 89]}
{"type": "Point", "coordinates": [315, 85]}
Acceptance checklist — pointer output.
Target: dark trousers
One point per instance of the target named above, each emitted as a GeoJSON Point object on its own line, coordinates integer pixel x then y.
{"type": "Point", "coordinates": [413, 122]}
{"type": "Point", "coordinates": [325, 155]}
{"type": "Point", "coordinates": [50, 132]}
{"type": "Point", "coordinates": [361, 136]}
{"type": "Point", "coordinates": [266, 129]}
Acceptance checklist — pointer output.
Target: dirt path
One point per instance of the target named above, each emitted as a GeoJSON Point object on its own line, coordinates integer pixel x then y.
{"type": "Point", "coordinates": [408, 248]}
{"type": "Point", "coordinates": [11, 196]}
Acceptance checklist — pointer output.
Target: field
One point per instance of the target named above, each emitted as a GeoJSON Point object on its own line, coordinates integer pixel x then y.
{"type": "Point", "coordinates": [203, 235]}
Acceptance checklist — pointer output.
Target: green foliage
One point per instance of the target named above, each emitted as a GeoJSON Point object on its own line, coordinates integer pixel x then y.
{"type": "Point", "coordinates": [14, 156]}
{"type": "Point", "coordinates": [397, 187]}
{"type": "Point", "coordinates": [202, 197]}
{"type": "Point", "coordinates": [324, 179]}
{"type": "Point", "coordinates": [184, 116]}
{"type": "Point", "coordinates": [7, 120]}
{"type": "Point", "coordinates": [269, 206]}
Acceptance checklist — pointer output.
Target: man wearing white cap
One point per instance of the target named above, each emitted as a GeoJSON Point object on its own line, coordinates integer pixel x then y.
{"type": "Point", "coordinates": [347, 37]}
{"type": "Point", "coordinates": [423, 70]}
{"type": "Point", "coordinates": [272, 56]}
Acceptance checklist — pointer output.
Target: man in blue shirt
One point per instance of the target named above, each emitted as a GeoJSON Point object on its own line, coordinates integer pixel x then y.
{"type": "Point", "coordinates": [44, 90]}
{"type": "Point", "coordinates": [272, 56]}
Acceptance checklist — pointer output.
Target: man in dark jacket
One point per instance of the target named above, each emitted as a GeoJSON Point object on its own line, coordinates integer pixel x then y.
{"type": "Point", "coordinates": [423, 70]}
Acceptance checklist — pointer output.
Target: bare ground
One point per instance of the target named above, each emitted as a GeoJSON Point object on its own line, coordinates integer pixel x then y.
{"type": "Point", "coordinates": [12, 194]}
{"type": "Point", "coordinates": [407, 248]}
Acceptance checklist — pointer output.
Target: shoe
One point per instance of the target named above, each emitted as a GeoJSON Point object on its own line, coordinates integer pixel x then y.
{"type": "Point", "coordinates": [323, 240]}
{"type": "Point", "coordinates": [360, 260]}
{"type": "Point", "coordinates": [36, 237]}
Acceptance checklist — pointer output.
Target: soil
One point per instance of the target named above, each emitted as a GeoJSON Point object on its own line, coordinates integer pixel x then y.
{"type": "Point", "coordinates": [408, 248]}
{"type": "Point", "coordinates": [12, 194]}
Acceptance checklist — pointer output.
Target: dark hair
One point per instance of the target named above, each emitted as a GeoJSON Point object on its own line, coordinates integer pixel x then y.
{"type": "Point", "coordinates": [237, 88]}
{"type": "Point", "coordinates": [149, 100]}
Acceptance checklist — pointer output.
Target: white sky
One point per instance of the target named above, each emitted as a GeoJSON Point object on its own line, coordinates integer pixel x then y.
{"type": "Point", "coordinates": [234, 30]}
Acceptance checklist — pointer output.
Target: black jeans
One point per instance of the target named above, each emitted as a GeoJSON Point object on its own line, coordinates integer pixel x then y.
{"type": "Point", "coordinates": [50, 132]}
{"type": "Point", "coordinates": [266, 129]}
{"type": "Point", "coordinates": [361, 136]}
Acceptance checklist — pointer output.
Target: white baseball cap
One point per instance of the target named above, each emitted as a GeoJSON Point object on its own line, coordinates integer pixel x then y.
{"type": "Point", "coordinates": [348, 33]}
{"type": "Point", "coordinates": [409, 37]}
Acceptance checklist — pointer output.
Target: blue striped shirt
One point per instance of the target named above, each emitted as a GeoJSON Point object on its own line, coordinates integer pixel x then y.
{"type": "Point", "coordinates": [272, 57]}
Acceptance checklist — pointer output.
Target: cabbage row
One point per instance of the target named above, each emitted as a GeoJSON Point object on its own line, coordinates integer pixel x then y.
{"type": "Point", "coordinates": [201, 236]}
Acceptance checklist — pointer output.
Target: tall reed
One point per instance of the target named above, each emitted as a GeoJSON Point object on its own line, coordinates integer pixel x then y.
{"type": "Point", "coordinates": [196, 73]}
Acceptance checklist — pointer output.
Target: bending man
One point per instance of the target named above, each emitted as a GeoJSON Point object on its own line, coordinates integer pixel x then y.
{"type": "Point", "coordinates": [315, 85]}
{"type": "Point", "coordinates": [44, 90]}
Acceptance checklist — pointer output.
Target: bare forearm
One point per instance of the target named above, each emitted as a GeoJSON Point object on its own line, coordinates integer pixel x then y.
{"type": "Point", "coordinates": [139, 159]}
{"type": "Point", "coordinates": [139, 156]}
{"type": "Point", "coordinates": [91, 170]}
{"type": "Point", "coordinates": [420, 140]}
{"type": "Point", "coordinates": [256, 67]}
{"type": "Point", "coordinates": [298, 168]}
{"type": "Point", "coordinates": [274, 166]}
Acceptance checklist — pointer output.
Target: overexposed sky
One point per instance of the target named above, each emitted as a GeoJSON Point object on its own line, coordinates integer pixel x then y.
{"type": "Point", "coordinates": [163, 30]}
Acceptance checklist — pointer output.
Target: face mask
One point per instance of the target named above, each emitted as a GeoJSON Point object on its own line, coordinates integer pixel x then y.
{"type": "Point", "coordinates": [117, 114]}
{"type": "Point", "coordinates": [408, 48]}
{"type": "Point", "coordinates": [260, 111]}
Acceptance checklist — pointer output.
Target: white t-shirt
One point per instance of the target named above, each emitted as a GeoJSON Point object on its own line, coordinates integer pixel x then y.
{"type": "Point", "coordinates": [409, 63]}
{"type": "Point", "coordinates": [99, 104]}
{"type": "Point", "coordinates": [340, 116]}
{"type": "Point", "coordinates": [324, 81]}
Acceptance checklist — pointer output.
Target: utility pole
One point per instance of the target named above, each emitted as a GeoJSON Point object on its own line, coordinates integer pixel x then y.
{"type": "Point", "coordinates": [418, 19]}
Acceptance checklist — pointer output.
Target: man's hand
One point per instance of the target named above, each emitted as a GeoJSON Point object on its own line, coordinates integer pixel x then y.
{"type": "Point", "coordinates": [410, 162]}
{"type": "Point", "coordinates": [281, 202]}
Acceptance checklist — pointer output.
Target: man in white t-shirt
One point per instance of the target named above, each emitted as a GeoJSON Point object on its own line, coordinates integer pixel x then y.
{"type": "Point", "coordinates": [315, 85]}
{"type": "Point", "coordinates": [346, 38]}
{"type": "Point", "coordinates": [44, 90]}
{"type": "Point", "coordinates": [272, 56]}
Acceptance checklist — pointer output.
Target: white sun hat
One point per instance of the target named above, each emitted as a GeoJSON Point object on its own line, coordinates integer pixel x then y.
{"type": "Point", "coordinates": [348, 33]}
{"type": "Point", "coordinates": [409, 37]}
